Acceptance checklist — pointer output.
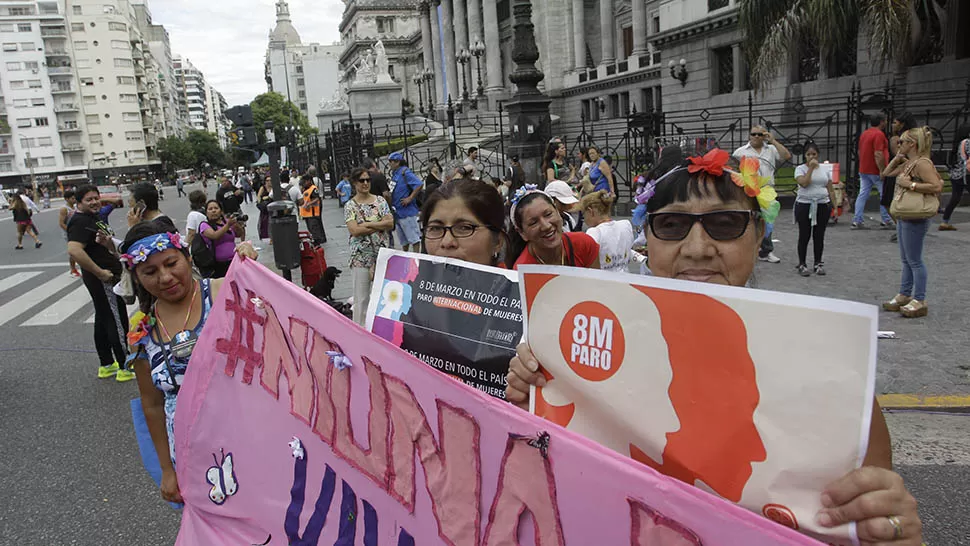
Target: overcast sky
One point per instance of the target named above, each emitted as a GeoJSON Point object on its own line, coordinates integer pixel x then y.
{"type": "Point", "coordinates": [226, 39]}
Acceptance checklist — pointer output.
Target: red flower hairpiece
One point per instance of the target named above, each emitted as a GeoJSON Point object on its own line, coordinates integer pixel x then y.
{"type": "Point", "coordinates": [712, 163]}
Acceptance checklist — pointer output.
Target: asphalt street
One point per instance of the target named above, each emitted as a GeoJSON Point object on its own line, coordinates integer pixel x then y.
{"type": "Point", "coordinates": [69, 462]}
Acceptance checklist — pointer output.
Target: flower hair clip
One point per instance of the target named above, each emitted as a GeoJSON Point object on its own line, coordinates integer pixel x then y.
{"type": "Point", "coordinates": [757, 186]}
{"type": "Point", "coordinates": [712, 162]}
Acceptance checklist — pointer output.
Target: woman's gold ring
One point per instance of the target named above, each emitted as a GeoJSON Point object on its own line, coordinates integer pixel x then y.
{"type": "Point", "coordinates": [897, 527]}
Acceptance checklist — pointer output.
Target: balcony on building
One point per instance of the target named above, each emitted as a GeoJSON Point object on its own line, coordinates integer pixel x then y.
{"type": "Point", "coordinates": [137, 54]}
{"type": "Point", "coordinates": [68, 127]}
{"type": "Point", "coordinates": [61, 88]}
{"type": "Point", "coordinates": [56, 52]}
{"type": "Point", "coordinates": [65, 108]}
{"type": "Point", "coordinates": [59, 69]}
{"type": "Point", "coordinates": [52, 29]}
{"type": "Point", "coordinates": [5, 148]}
{"type": "Point", "coordinates": [72, 147]}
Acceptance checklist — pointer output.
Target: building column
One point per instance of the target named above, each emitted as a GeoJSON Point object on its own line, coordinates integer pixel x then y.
{"type": "Point", "coordinates": [461, 42]}
{"type": "Point", "coordinates": [451, 59]}
{"type": "Point", "coordinates": [424, 12]}
{"type": "Point", "coordinates": [579, 35]}
{"type": "Point", "coordinates": [639, 28]}
{"type": "Point", "coordinates": [607, 32]}
{"type": "Point", "coordinates": [738, 57]}
{"type": "Point", "coordinates": [495, 85]}
{"type": "Point", "coordinates": [436, 55]}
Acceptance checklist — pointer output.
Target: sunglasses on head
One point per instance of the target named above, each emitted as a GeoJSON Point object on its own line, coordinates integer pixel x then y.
{"type": "Point", "coordinates": [722, 225]}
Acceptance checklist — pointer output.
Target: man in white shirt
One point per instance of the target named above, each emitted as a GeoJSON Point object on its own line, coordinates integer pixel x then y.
{"type": "Point", "coordinates": [770, 155]}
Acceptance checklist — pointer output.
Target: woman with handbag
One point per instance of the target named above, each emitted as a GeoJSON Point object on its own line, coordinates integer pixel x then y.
{"type": "Point", "coordinates": [916, 200]}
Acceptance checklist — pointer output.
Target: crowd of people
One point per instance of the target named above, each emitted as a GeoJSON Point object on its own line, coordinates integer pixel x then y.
{"type": "Point", "coordinates": [705, 218]}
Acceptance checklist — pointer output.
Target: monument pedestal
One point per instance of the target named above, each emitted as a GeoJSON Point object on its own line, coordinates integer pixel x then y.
{"type": "Point", "coordinates": [325, 119]}
{"type": "Point", "coordinates": [382, 101]}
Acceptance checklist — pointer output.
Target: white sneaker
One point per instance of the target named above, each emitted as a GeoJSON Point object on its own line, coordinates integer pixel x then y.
{"type": "Point", "coordinates": [770, 258]}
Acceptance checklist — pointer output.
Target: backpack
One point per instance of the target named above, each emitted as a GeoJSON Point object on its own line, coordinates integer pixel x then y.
{"type": "Point", "coordinates": [202, 254]}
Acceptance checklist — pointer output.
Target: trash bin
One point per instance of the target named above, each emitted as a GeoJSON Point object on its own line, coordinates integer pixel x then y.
{"type": "Point", "coordinates": [283, 230]}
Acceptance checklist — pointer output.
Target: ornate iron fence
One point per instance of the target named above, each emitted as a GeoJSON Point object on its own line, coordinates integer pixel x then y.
{"type": "Point", "coordinates": [632, 141]}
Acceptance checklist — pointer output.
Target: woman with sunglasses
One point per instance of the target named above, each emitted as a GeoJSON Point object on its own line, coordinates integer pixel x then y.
{"type": "Point", "coordinates": [914, 171]}
{"type": "Point", "coordinates": [465, 219]}
{"type": "Point", "coordinates": [539, 237]}
{"type": "Point", "coordinates": [813, 205]}
{"type": "Point", "coordinates": [174, 307]}
{"type": "Point", "coordinates": [704, 227]}
{"type": "Point", "coordinates": [369, 222]}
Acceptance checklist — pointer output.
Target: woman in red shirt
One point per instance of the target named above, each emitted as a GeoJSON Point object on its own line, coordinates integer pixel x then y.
{"type": "Point", "coordinates": [540, 238]}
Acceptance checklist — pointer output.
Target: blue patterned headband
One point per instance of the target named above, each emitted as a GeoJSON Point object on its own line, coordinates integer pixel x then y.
{"type": "Point", "coordinates": [140, 250]}
{"type": "Point", "coordinates": [519, 195]}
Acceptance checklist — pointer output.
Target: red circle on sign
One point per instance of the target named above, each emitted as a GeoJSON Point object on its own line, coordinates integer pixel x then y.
{"type": "Point", "coordinates": [592, 341]}
{"type": "Point", "coordinates": [781, 515]}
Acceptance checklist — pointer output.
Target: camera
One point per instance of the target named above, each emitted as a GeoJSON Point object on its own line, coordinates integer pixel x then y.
{"type": "Point", "coordinates": [240, 217]}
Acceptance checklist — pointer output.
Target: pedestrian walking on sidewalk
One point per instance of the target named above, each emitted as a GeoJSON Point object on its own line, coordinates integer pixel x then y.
{"type": "Point", "coordinates": [959, 169]}
{"type": "Point", "coordinates": [100, 271]}
{"type": "Point", "coordinates": [813, 205]}
{"type": "Point", "coordinates": [873, 155]}
{"type": "Point", "coordinates": [22, 218]}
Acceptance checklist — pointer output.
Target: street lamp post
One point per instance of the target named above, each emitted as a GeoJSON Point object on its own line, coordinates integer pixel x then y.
{"type": "Point", "coordinates": [463, 58]}
{"type": "Point", "coordinates": [428, 78]}
{"type": "Point", "coordinates": [418, 79]}
{"type": "Point", "coordinates": [478, 49]}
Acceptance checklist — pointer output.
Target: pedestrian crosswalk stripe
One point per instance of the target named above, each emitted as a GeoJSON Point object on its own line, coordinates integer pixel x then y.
{"type": "Point", "coordinates": [62, 309]}
{"type": "Point", "coordinates": [17, 278]}
{"type": "Point", "coordinates": [132, 309]}
{"type": "Point", "coordinates": [18, 306]}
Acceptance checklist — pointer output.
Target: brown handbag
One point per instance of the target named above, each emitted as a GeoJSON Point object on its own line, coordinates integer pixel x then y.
{"type": "Point", "coordinates": [913, 205]}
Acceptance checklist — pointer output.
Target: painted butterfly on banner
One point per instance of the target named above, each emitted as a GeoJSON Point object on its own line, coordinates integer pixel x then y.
{"type": "Point", "coordinates": [540, 442]}
{"type": "Point", "coordinates": [222, 478]}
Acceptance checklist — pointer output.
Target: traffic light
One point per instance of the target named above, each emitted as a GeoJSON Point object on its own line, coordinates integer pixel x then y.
{"type": "Point", "coordinates": [240, 116]}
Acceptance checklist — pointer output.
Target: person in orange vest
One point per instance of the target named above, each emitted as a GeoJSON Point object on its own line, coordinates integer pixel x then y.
{"type": "Point", "coordinates": [310, 208]}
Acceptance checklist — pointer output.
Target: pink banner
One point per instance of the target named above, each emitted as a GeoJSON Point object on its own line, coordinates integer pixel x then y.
{"type": "Point", "coordinates": [295, 426]}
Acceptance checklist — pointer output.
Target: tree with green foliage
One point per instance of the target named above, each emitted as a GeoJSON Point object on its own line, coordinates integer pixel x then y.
{"type": "Point", "coordinates": [274, 107]}
{"type": "Point", "coordinates": [206, 148]}
{"type": "Point", "coordinates": [175, 154]}
{"type": "Point", "coordinates": [773, 29]}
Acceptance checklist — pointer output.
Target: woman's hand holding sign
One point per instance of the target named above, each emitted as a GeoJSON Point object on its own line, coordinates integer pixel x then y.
{"type": "Point", "coordinates": [877, 500]}
{"type": "Point", "coordinates": [523, 372]}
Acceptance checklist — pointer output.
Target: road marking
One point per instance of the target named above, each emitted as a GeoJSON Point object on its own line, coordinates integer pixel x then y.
{"type": "Point", "coordinates": [62, 309]}
{"type": "Point", "coordinates": [916, 401]}
{"type": "Point", "coordinates": [15, 279]}
{"type": "Point", "coordinates": [18, 306]}
{"type": "Point", "coordinates": [31, 266]}
{"type": "Point", "coordinates": [132, 309]}
{"type": "Point", "coordinates": [42, 211]}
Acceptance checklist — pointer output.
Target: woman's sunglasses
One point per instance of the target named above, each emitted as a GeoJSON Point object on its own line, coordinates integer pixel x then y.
{"type": "Point", "coordinates": [722, 225]}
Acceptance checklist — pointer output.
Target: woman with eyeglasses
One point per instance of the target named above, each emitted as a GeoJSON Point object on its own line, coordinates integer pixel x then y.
{"type": "Point", "coordinates": [370, 223]}
{"type": "Point", "coordinates": [539, 236]}
{"type": "Point", "coordinates": [915, 172]}
{"type": "Point", "coordinates": [704, 227]}
{"type": "Point", "coordinates": [173, 307]}
{"type": "Point", "coordinates": [813, 205]}
{"type": "Point", "coordinates": [600, 172]}
{"type": "Point", "coordinates": [465, 219]}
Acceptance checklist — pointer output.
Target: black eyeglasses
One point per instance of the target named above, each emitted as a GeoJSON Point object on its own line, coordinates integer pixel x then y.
{"type": "Point", "coordinates": [458, 231]}
{"type": "Point", "coordinates": [722, 225]}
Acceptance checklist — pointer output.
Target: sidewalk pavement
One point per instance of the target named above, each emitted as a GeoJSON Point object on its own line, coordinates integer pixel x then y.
{"type": "Point", "coordinates": [927, 365]}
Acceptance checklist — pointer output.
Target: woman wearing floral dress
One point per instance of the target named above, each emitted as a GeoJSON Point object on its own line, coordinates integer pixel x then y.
{"type": "Point", "coordinates": [369, 222]}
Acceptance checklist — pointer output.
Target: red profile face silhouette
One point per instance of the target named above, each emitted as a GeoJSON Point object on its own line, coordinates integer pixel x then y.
{"type": "Point", "coordinates": [714, 392]}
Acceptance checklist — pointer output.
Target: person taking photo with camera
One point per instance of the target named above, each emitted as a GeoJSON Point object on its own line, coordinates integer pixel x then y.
{"type": "Point", "coordinates": [220, 232]}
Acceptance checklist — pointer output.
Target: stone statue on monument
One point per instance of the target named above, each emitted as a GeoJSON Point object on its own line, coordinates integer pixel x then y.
{"type": "Point", "coordinates": [365, 69]}
{"type": "Point", "coordinates": [381, 65]}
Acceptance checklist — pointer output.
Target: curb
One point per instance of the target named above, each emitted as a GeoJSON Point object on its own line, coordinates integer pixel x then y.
{"type": "Point", "coordinates": [915, 402]}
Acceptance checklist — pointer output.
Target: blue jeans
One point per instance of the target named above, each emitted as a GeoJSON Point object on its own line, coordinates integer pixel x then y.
{"type": "Point", "coordinates": [912, 233]}
{"type": "Point", "coordinates": [866, 183]}
{"type": "Point", "coordinates": [767, 247]}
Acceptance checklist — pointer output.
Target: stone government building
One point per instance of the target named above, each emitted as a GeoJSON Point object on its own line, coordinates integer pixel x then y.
{"type": "Point", "coordinates": [601, 58]}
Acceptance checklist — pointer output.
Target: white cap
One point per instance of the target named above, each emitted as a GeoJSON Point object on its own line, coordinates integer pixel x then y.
{"type": "Point", "coordinates": [561, 192]}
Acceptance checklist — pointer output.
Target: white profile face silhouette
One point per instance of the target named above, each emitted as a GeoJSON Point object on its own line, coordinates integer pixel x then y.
{"type": "Point", "coordinates": [392, 299]}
